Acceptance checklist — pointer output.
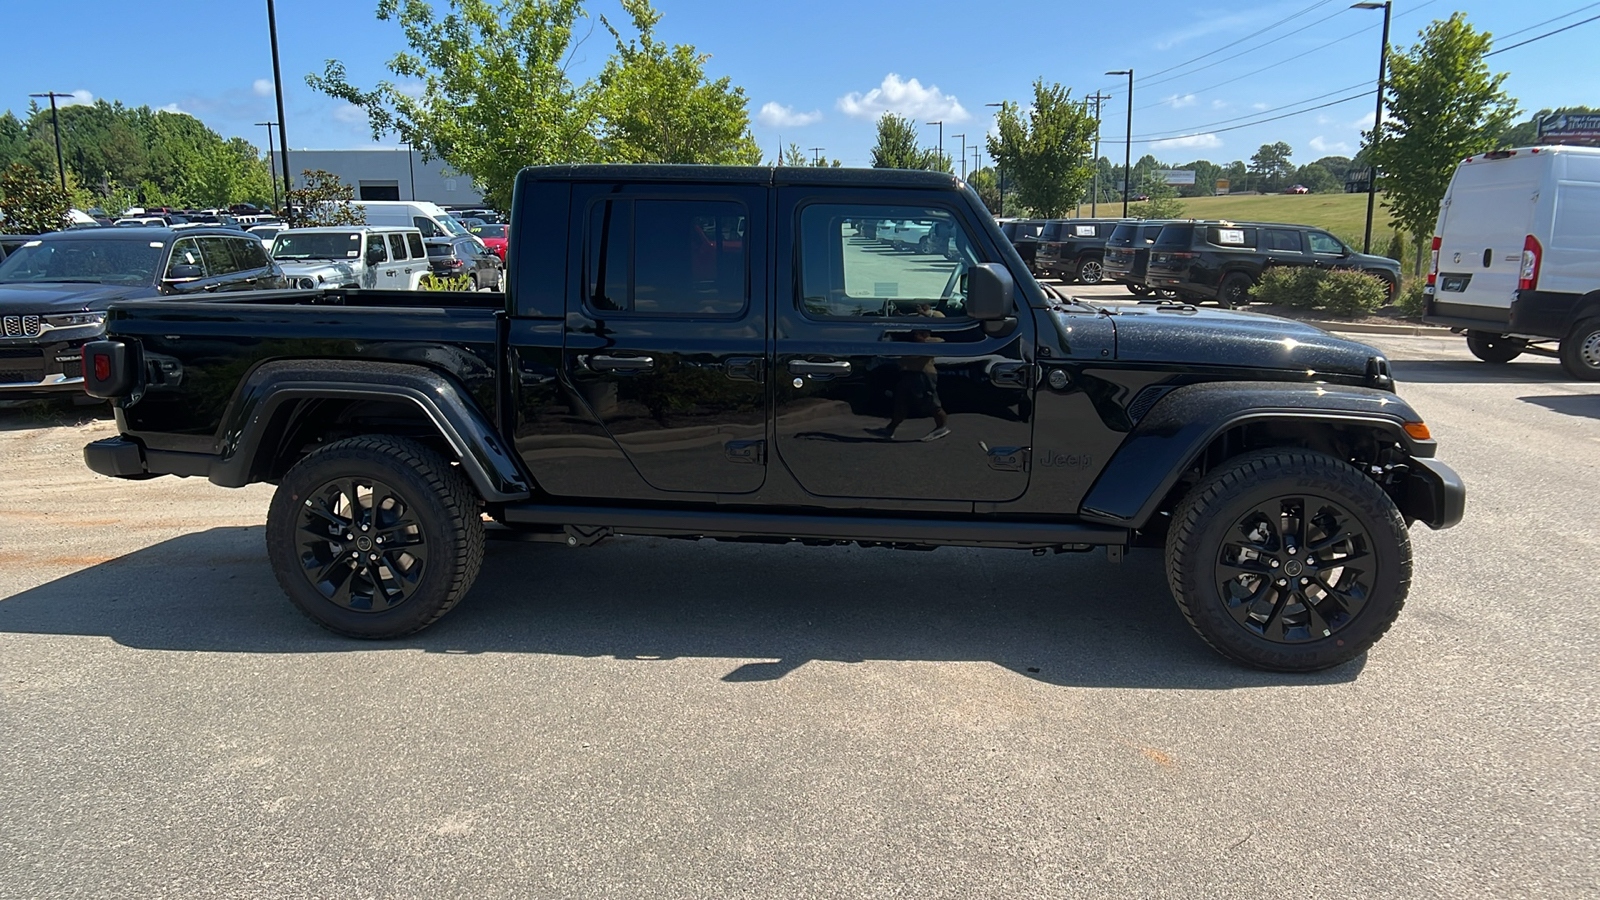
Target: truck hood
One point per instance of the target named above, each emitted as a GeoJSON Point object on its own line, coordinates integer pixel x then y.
{"type": "Point", "coordinates": [60, 297]}
{"type": "Point", "coordinates": [314, 269]}
{"type": "Point", "coordinates": [1218, 337]}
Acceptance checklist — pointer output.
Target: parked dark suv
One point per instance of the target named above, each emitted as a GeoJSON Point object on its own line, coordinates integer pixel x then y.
{"type": "Point", "coordinates": [1222, 260]}
{"type": "Point", "coordinates": [54, 290]}
{"type": "Point", "coordinates": [453, 256]}
{"type": "Point", "coordinates": [1072, 249]}
{"type": "Point", "coordinates": [1128, 254]}
{"type": "Point", "coordinates": [1024, 235]}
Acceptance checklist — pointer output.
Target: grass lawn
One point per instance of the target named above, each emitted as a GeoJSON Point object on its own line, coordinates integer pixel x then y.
{"type": "Point", "coordinates": [1343, 214]}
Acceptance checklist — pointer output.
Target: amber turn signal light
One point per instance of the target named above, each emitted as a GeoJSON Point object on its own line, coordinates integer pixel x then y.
{"type": "Point", "coordinates": [1418, 430]}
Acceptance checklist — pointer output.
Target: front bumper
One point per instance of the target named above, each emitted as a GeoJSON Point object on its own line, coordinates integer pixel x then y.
{"type": "Point", "coordinates": [1435, 494]}
{"type": "Point", "coordinates": [40, 370]}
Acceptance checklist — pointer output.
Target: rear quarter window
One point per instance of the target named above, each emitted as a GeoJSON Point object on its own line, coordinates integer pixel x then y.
{"type": "Point", "coordinates": [1231, 238]}
{"type": "Point", "coordinates": [1175, 236]}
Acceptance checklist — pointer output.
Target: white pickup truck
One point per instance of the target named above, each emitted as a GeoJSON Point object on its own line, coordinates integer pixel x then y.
{"type": "Point", "coordinates": [352, 256]}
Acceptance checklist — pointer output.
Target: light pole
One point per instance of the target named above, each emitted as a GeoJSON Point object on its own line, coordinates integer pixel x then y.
{"type": "Point", "coordinates": [963, 137]}
{"type": "Point", "coordinates": [1377, 121]}
{"type": "Point", "coordinates": [271, 174]}
{"type": "Point", "coordinates": [55, 125]}
{"type": "Point", "coordinates": [277, 84]}
{"type": "Point", "coordinates": [939, 123]}
{"type": "Point", "coordinates": [1127, 148]}
{"type": "Point", "coordinates": [816, 154]}
{"type": "Point", "coordinates": [1001, 171]}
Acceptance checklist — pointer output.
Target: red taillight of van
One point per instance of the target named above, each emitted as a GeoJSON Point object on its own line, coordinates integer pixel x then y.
{"type": "Point", "coordinates": [1433, 263]}
{"type": "Point", "coordinates": [1531, 255]}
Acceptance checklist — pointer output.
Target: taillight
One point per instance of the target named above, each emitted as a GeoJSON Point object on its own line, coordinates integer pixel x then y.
{"type": "Point", "coordinates": [102, 366]}
{"type": "Point", "coordinates": [1531, 252]}
{"type": "Point", "coordinates": [1433, 263]}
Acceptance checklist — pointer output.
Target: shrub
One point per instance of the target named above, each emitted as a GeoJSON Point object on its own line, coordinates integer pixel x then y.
{"type": "Point", "coordinates": [431, 282]}
{"type": "Point", "coordinates": [1288, 286]}
{"type": "Point", "coordinates": [1397, 247]}
{"type": "Point", "coordinates": [1350, 293]}
{"type": "Point", "coordinates": [1409, 300]}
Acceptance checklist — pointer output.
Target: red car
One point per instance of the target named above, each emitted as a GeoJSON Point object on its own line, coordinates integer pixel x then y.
{"type": "Point", "coordinates": [494, 237]}
{"type": "Point", "coordinates": [1297, 189]}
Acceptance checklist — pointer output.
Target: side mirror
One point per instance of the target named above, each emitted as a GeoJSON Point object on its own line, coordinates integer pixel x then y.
{"type": "Point", "coordinates": [374, 255]}
{"type": "Point", "coordinates": [185, 272]}
{"type": "Point", "coordinates": [991, 293]}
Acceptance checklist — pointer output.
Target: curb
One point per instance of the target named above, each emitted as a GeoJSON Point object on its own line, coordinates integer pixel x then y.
{"type": "Point", "coordinates": [1364, 328]}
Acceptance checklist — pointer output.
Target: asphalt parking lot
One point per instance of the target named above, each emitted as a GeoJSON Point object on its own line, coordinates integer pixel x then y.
{"type": "Point", "coordinates": [658, 718]}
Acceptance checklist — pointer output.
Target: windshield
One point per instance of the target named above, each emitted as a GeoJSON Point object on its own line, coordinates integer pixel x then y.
{"type": "Point", "coordinates": [451, 225]}
{"type": "Point", "coordinates": [316, 245]}
{"type": "Point", "coordinates": [100, 262]}
{"type": "Point", "coordinates": [490, 231]}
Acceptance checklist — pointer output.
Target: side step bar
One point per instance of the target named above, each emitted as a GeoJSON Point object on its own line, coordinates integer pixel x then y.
{"type": "Point", "coordinates": [587, 524]}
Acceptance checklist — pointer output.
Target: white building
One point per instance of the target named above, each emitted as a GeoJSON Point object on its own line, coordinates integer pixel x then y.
{"type": "Point", "coordinates": [385, 174]}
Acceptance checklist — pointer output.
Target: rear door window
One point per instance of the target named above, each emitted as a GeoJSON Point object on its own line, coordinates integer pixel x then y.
{"type": "Point", "coordinates": [397, 246]}
{"type": "Point", "coordinates": [667, 257]}
{"type": "Point", "coordinates": [414, 241]}
{"type": "Point", "coordinates": [1281, 239]}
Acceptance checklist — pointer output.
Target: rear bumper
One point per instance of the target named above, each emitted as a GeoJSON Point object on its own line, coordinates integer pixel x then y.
{"type": "Point", "coordinates": [120, 457]}
{"type": "Point", "coordinates": [1435, 494]}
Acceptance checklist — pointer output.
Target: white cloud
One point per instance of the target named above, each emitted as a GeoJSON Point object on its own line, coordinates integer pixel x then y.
{"type": "Point", "coordinates": [1324, 146]}
{"type": "Point", "coordinates": [1201, 141]}
{"type": "Point", "coordinates": [1259, 106]}
{"type": "Point", "coordinates": [776, 115]}
{"type": "Point", "coordinates": [903, 98]}
{"type": "Point", "coordinates": [261, 87]}
{"type": "Point", "coordinates": [173, 108]}
{"type": "Point", "coordinates": [349, 113]}
{"type": "Point", "coordinates": [79, 97]}
{"type": "Point", "coordinates": [411, 87]}
{"type": "Point", "coordinates": [1179, 101]}
{"type": "Point", "coordinates": [1206, 25]}
{"type": "Point", "coordinates": [1220, 104]}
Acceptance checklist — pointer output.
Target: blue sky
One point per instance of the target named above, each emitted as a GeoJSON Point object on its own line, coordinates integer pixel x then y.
{"type": "Point", "coordinates": [818, 73]}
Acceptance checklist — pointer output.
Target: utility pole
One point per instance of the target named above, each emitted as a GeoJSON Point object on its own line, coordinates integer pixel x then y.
{"type": "Point", "coordinates": [963, 137]}
{"type": "Point", "coordinates": [939, 123]}
{"type": "Point", "coordinates": [816, 154]}
{"type": "Point", "coordinates": [1127, 147]}
{"type": "Point", "coordinates": [1097, 98]}
{"type": "Point", "coordinates": [271, 174]}
{"type": "Point", "coordinates": [55, 125]}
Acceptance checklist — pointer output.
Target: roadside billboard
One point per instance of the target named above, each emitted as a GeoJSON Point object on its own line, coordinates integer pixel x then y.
{"type": "Point", "coordinates": [1222, 186]}
{"type": "Point", "coordinates": [1177, 176]}
{"type": "Point", "coordinates": [1569, 128]}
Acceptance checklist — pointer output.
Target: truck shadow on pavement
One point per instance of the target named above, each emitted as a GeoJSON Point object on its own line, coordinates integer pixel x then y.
{"type": "Point", "coordinates": [1526, 370]}
{"type": "Point", "coordinates": [1071, 619]}
{"type": "Point", "coordinates": [1569, 404]}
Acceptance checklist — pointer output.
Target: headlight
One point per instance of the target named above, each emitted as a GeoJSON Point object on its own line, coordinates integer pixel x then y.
{"type": "Point", "coordinates": [74, 319]}
{"type": "Point", "coordinates": [306, 284]}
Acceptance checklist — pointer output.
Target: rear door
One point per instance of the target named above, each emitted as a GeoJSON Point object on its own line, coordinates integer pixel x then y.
{"type": "Point", "coordinates": [664, 348]}
{"type": "Point", "coordinates": [396, 273]}
{"type": "Point", "coordinates": [1486, 215]}
{"type": "Point", "coordinates": [1283, 247]}
{"type": "Point", "coordinates": [884, 387]}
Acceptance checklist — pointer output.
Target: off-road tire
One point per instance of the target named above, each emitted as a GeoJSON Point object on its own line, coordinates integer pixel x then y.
{"type": "Point", "coordinates": [1090, 270]}
{"type": "Point", "coordinates": [1234, 290]}
{"type": "Point", "coordinates": [1580, 351]}
{"type": "Point", "coordinates": [1213, 515]}
{"type": "Point", "coordinates": [435, 495]}
{"type": "Point", "coordinates": [1495, 348]}
{"type": "Point", "coordinates": [925, 245]}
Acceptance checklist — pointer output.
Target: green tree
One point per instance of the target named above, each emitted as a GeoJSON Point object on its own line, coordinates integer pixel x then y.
{"type": "Point", "coordinates": [1270, 165]}
{"type": "Point", "coordinates": [1045, 158]}
{"type": "Point", "coordinates": [796, 156]}
{"type": "Point", "coordinates": [322, 199]}
{"type": "Point", "coordinates": [987, 186]}
{"type": "Point", "coordinates": [897, 147]}
{"type": "Point", "coordinates": [1318, 179]}
{"type": "Point", "coordinates": [29, 203]}
{"type": "Point", "coordinates": [1443, 105]}
{"type": "Point", "coordinates": [495, 94]}
{"type": "Point", "coordinates": [1337, 166]}
{"type": "Point", "coordinates": [1163, 202]}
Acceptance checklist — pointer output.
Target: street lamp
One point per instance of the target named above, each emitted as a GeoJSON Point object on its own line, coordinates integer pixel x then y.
{"type": "Point", "coordinates": [271, 174]}
{"type": "Point", "coordinates": [939, 123]}
{"type": "Point", "coordinates": [1002, 172]}
{"type": "Point", "coordinates": [1127, 148]}
{"type": "Point", "coordinates": [277, 84]}
{"type": "Point", "coordinates": [55, 125]}
{"type": "Point", "coordinates": [1377, 121]}
{"type": "Point", "coordinates": [963, 137]}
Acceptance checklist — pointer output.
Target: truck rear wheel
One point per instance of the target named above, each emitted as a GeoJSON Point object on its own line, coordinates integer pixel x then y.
{"type": "Point", "coordinates": [1090, 270]}
{"type": "Point", "coordinates": [1289, 560]}
{"type": "Point", "coordinates": [1495, 348]}
{"type": "Point", "coordinates": [374, 536]}
{"type": "Point", "coordinates": [1580, 351]}
{"type": "Point", "coordinates": [1234, 290]}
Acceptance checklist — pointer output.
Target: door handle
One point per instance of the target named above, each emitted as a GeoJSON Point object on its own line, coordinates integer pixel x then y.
{"type": "Point", "coordinates": [211, 288]}
{"type": "Point", "coordinates": [621, 363]}
{"type": "Point", "coordinates": [824, 367]}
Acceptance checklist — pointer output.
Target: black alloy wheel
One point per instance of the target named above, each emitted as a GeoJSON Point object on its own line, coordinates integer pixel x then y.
{"type": "Point", "coordinates": [1234, 291]}
{"type": "Point", "coordinates": [1495, 348]}
{"type": "Point", "coordinates": [1289, 560]}
{"type": "Point", "coordinates": [374, 536]}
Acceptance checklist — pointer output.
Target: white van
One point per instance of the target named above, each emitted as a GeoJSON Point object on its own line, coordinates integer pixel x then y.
{"type": "Point", "coordinates": [1516, 255]}
{"type": "Point", "coordinates": [430, 218]}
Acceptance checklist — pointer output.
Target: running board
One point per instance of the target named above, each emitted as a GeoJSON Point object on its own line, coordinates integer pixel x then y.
{"type": "Point", "coordinates": [587, 524]}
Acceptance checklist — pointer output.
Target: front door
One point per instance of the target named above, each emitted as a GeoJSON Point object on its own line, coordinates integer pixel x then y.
{"type": "Point", "coordinates": [665, 346]}
{"type": "Point", "coordinates": [884, 387]}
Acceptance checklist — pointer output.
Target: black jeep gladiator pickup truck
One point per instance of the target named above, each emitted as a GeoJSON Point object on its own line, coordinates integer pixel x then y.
{"type": "Point", "coordinates": [725, 353]}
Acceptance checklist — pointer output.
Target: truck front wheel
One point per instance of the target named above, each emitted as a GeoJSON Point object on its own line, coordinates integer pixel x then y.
{"type": "Point", "coordinates": [374, 536]}
{"type": "Point", "coordinates": [1580, 351]}
{"type": "Point", "coordinates": [1289, 560]}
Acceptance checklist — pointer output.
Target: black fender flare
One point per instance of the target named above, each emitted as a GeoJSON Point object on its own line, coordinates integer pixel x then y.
{"type": "Point", "coordinates": [1181, 425]}
{"type": "Point", "coordinates": [484, 457]}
